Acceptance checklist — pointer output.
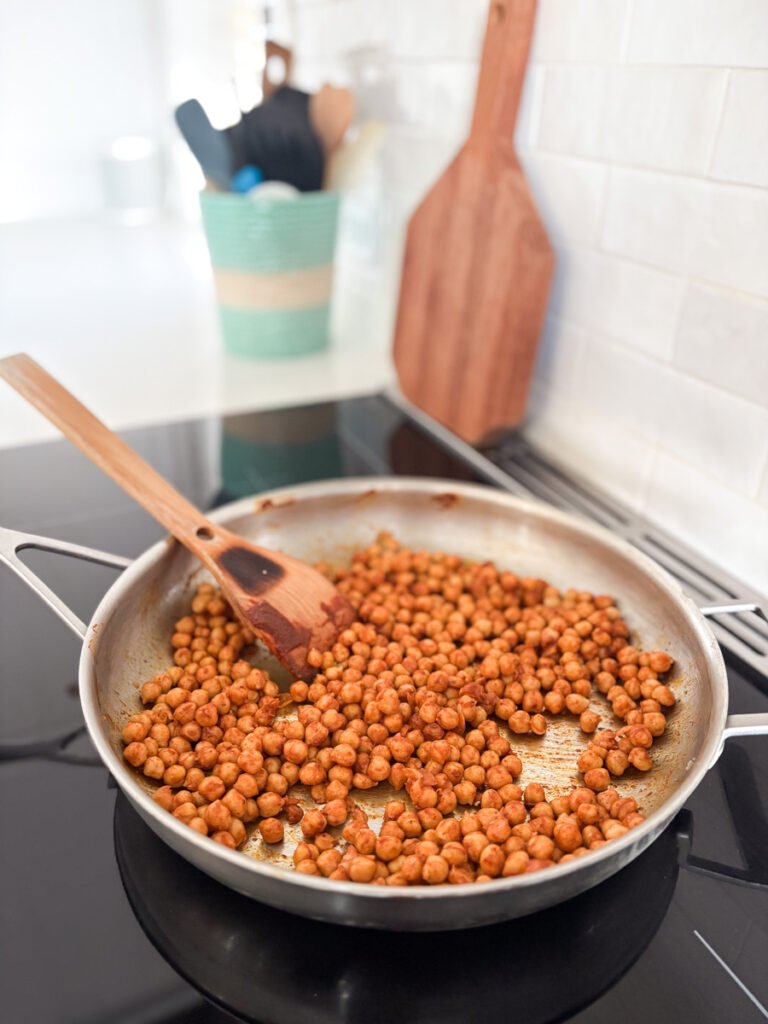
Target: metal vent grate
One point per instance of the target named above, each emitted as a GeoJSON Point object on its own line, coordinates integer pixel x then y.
{"type": "Point", "coordinates": [518, 467]}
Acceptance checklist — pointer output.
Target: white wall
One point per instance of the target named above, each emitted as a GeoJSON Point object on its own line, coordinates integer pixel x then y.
{"type": "Point", "coordinates": [644, 132]}
{"type": "Point", "coordinates": [74, 76]}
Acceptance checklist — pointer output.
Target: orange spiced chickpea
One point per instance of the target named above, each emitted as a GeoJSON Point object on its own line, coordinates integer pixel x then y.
{"type": "Point", "coordinates": [271, 830]}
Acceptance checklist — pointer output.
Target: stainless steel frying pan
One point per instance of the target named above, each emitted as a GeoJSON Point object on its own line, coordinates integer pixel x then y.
{"type": "Point", "coordinates": [126, 642]}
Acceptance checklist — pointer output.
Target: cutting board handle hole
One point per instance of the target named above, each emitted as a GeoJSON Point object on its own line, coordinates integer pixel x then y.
{"type": "Point", "coordinates": [204, 533]}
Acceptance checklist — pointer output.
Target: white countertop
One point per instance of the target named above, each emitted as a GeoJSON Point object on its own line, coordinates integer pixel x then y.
{"type": "Point", "coordinates": [126, 318]}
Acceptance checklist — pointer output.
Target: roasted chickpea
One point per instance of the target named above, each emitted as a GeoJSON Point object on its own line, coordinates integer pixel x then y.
{"type": "Point", "coordinates": [638, 757]}
{"type": "Point", "coordinates": [597, 779]}
{"type": "Point", "coordinates": [313, 823]}
{"type": "Point", "coordinates": [491, 860]}
{"type": "Point", "coordinates": [540, 847]}
{"type": "Point", "coordinates": [515, 863]}
{"type": "Point", "coordinates": [388, 847]}
{"type": "Point", "coordinates": [448, 830]}
{"type": "Point", "coordinates": [225, 838]}
{"type": "Point", "coordinates": [361, 869]}
{"type": "Point", "coordinates": [567, 836]}
{"type": "Point", "coordinates": [270, 804]}
{"type": "Point", "coordinates": [589, 721]}
{"type": "Point", "coordinates": [154, 767]}
{"type": "Point", "coordinates": [136, 753]}
{"type": "Point", "coordinates": [217, 816]}
{"type": "Point", "coordinates": [616, 762]}
{"type": "Point", "coordinates": [336, 812]}
{"type": "Point", "coordinates": [271, 830]}
{"type": "Point", "coordinates": [328, 861]}
{"type": "Point", "coordinates": [434, 870]}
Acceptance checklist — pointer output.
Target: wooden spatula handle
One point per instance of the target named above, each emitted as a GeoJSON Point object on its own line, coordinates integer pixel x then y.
{"type": "Point", "coordinates": [502, 67]}
{"type": "Point", "coordinates": [104, 448]}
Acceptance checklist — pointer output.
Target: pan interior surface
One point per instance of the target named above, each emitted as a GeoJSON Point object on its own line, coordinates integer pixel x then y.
{"type": "Point", "coordinates": [329, 521]}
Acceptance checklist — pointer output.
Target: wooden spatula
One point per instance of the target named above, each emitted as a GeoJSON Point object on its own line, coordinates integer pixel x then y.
{"type": "Point", "coordinates": [477, 263]}
{"type": "Point", "coordinates": [286, 603]}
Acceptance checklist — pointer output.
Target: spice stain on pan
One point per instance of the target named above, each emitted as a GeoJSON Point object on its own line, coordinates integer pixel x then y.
{"type": "Point", "coordinates": [94, 639]}
{"type": "Point", "coordinates": [265, 504]}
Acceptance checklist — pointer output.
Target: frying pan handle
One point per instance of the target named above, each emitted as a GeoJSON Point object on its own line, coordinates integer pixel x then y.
{"type": "Point", "coordinates": [12, 542]}
{"type": "Point", "coordinates": [739, 725]}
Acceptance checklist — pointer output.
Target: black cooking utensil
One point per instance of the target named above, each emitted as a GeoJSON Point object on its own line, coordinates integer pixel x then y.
{"type": "Point", "coordinates": [277, 137]}
{"type": "Point", "coordinates": [211, 147]}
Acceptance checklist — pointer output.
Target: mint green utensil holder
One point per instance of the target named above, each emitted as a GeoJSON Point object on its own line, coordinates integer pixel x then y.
{"type": "Point", "coordinates": [273, 270]}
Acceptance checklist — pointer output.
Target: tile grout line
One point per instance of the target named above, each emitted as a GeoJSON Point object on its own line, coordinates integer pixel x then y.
{"type": "Point", "coordinates": [626, 32]}
{"type": "Point", "coordinates": [750, 995]}
{"type": "Point", "coordinates": [647, 484]}
{"type": "Point", "coordinates": [763, 479]}
{"type": "Point", "coordinates": [636, 168]}
{"type": "Point", "coordinates": [585, 247]}
{"type": "Point", "coordinates": [678, 324]}
{"type": "Point", "coordinates": [602, 228]}
{"type": "Point", "coordinates": [719, 123]}
{"type": "Point", "coordinates": [393, 57]}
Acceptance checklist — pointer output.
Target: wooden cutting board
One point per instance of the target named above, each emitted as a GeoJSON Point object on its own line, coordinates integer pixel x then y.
{"type": "Point", "coordinates": [478, 264]}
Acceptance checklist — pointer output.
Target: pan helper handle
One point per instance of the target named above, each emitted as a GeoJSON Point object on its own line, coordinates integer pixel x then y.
{"type": "Point", "coordinates": [739, 725]}
{"type": "Point", "coordinates": [12, 542]}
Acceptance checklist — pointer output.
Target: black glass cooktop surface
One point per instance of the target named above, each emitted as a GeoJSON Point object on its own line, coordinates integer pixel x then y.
{"type": "Point", "coordinates": [101, 922]}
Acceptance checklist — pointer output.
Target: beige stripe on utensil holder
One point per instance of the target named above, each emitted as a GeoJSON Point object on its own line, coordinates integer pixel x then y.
{"type": "Point", "coordinates": [287, 289]}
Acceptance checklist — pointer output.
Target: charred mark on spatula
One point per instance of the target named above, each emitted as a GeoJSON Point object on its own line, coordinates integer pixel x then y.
{"type": "Point", "coordinates": [253, 572]}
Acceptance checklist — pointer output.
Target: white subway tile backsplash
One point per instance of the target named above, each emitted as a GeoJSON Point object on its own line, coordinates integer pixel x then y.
{"type": "Point", "coordinates": [733, 33]}
{"type": "Point", "coordinates": [621, 386]}
{"type": "Point", "coordinates": [724, 436]}
{"type": "Point", "coordinates": [742, 143]}
{"type": "Point", "coordinates": [729, 528]}
{"type": "Point", "coordinates": [438, 29]}
{"type": "Point", "coordinates": [723, 338]}
{"type": "Point", "coordinates": [592, 446]}
{"type": "Point", "coordinates": [573, 110]}
{"type": "Point", "coordinates": [615, 460]}
{"type": "Point", "coordinates": [548, 411]}
{"type": "Point", "coordinates": [437, 96]}
{"type": "Point", "coordinates": [715, 232]}
{"type": "Point", "coordinates": [529, 113]}
{"type": "Point", "coordinates": [412, 160]}
{"type": "Point", "coordinates": [628, 302]}
{"type": "Point", "coordinates": [721, 434]}
{"type": "Point", "coordinates": [569, 195]}
{"type": "Point", "coordinates": [762, 494]}
{"type": "Point", "coordinates": [560, 356]}
{"type": "Point", "coordinates": [579, 30]}
{"type": "Point", "coordinates": [643, 130]}
{"type": "Point", "coordinates": [650, 117]}
{"type": "Point", "coordinates": [662, 117]}
{"type": "Point", "coordinates": [341, 26]}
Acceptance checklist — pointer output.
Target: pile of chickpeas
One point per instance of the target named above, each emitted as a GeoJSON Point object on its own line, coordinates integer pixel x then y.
{"type": "Point", "coordinates": [447, 662]}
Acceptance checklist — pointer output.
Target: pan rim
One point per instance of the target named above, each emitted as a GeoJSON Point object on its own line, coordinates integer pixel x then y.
{"type": "Point", "coordinates": [639, 836]}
